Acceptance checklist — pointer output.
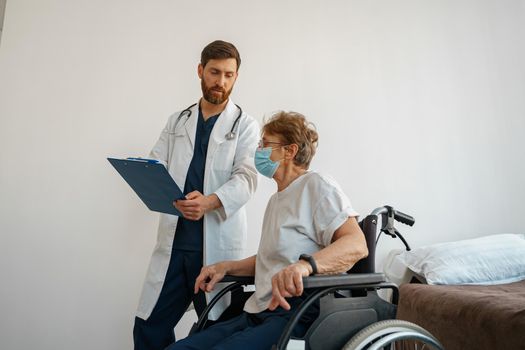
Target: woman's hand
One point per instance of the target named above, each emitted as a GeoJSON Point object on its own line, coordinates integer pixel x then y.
{"type": "Point", "coordinates": [209, 276]}
{"type": "Point", "coordinates": [288, 283]}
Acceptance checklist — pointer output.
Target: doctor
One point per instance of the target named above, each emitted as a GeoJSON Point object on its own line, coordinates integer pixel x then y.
{"type": "Point", "coordinates": [208, 148]}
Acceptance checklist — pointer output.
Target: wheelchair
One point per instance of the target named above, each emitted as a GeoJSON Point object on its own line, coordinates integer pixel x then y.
{"type": "Point", "coordinates": [352, 316]}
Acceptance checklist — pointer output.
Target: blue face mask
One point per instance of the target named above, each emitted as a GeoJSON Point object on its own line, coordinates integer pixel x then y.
{"type": "Point", "coordinates": [264, 164]}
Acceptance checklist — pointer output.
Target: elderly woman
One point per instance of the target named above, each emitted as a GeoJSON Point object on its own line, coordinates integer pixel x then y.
{"type": "Point", "coordinates": [309, 228]}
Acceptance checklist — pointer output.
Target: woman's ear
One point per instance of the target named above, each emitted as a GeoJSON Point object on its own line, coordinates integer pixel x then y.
{"type": "Point", "coordinates": [291, 151]}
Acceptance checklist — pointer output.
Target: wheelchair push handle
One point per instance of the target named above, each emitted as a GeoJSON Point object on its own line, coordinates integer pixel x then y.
{"type": "Point", "coordinates": [404, 218]}
{"type": "Point", "coordinates": [389, 211]}
{"type": "Point", "coordinates": [388, 216]}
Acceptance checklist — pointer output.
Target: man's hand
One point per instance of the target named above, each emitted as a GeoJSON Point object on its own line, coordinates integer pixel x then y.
{"type": "Point", "coordinates": [209, 276]}
{"type": "Point", "coordinates": [288, 283]}
{"type": "Point", "coordinates": [194, 206]}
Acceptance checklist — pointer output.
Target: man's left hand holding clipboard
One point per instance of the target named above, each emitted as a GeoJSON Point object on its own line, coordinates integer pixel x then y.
{"type": "Point", "coordinates": [151, 182]}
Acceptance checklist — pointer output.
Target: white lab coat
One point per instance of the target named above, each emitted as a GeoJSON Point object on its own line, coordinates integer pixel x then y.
{"type": "Point", "coordinates": [229, 173]}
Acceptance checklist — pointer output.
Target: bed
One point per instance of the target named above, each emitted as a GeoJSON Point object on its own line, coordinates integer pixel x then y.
{"type": "Point", "coordinates": [468, 316]}
{"type": "Point", "coordinates": [469, 294]}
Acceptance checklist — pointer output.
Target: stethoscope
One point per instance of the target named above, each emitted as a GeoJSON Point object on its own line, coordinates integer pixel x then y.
{"type": "Point", "coordinates": [229, 136]}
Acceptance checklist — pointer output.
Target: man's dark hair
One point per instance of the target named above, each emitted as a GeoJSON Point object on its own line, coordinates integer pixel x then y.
{"type": "Point", "coordinates": [220, 50]}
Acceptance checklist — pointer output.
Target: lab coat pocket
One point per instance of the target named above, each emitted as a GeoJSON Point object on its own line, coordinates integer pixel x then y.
{"type": "Point", "coordinates": [176, 140]}
{"type": "Point", "coordinates": [223, 159]}
{"type": "Point", "coordinates": [233, 232]}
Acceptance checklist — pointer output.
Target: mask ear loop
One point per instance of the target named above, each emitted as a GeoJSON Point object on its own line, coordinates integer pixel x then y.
{"type": "Point", "coordinates": [282, 146]}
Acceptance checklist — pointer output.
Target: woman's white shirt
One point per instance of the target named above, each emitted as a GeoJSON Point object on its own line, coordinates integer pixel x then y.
{"type": "Point", "coordinates": [301, 219]}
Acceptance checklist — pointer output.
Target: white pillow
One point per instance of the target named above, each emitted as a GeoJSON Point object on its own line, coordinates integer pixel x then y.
{"type": "Point", "coordinates": [494, 259]}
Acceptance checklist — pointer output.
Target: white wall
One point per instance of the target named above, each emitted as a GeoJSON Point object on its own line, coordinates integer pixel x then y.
{"type": "Point", "coordinates": [419, 104]}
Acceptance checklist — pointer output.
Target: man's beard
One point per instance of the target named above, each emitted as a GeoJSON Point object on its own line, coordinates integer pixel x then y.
{"type": "Point", "coordinates": [209, 93]}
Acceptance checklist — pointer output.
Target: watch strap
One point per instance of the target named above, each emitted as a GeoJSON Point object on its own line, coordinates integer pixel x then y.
{"type": "Point", "coordinates": [310, 259]}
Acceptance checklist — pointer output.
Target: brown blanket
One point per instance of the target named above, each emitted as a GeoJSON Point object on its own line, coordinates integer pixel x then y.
{"type": "Point", "coordinates": [468, 317]}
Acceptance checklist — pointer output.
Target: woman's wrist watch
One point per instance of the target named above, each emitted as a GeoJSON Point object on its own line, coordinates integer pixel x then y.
{"type": "Point", "coordinates": [310, 259]}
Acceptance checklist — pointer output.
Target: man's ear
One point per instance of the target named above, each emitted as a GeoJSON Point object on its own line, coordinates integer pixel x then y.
{"type": "Point", "coordinates": [200, 70]}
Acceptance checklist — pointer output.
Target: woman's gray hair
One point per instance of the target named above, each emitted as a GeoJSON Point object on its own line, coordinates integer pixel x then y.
{"type": "Point", "coordinates": [293, 128]}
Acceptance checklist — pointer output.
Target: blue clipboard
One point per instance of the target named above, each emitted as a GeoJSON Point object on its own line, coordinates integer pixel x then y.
{"type": "Point", "coordinates": [151, 182]}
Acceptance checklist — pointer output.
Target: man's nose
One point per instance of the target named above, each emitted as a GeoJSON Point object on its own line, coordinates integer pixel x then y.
{"type": "Point", "coordinates": [221, 80]}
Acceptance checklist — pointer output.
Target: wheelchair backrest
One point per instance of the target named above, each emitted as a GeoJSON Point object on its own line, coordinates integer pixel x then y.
{"type": "Point", "coordinates": [367, 265]}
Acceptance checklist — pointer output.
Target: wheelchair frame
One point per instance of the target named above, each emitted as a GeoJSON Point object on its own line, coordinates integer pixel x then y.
{"type": "Point", "coordinates": [361, 278]}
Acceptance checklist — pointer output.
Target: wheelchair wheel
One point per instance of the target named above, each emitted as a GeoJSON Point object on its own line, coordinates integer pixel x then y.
{"type": "Point", "coordinates": [392, 333]}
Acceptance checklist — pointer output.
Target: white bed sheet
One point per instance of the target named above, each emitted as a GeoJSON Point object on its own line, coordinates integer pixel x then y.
{"type": "Point", "coordinates": [396, 270]}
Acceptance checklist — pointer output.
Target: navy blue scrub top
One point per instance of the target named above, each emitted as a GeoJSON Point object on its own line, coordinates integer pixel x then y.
{"type": "Point", "coordinates": [189, 233]}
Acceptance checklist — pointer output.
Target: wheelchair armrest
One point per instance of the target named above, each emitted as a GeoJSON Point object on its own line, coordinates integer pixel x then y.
{"type": "Point", "coordinates": [346, 279]}
{"type": "Point", "coordinates": [321, 280]}
{"type": "Point", "coordinates": [244, 280]}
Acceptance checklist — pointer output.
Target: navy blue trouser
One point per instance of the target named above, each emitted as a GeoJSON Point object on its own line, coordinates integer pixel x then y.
{"type": "Point", "coordinates": [248, 331]}
{"type": "Point", "coordinates": [156, 333]}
